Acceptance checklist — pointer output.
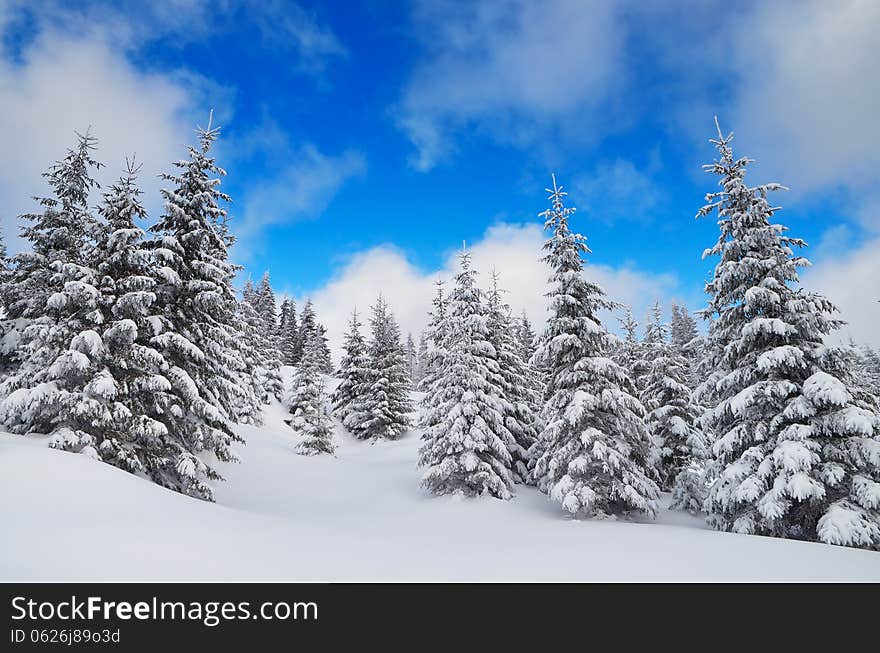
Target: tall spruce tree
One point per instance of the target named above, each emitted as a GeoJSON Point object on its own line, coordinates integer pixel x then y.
{"type": "Point", "coordinates": [287, 332]}
{"type": "Point", "coordinates": [795, 454]}
{"type": "Point", "coordinates": [433, 363]}
{"type": "Point", "coordinates": [412, 360]}
{"type": "Point", "coordinates": [422, 360]}
{"type": "Point", "coordinates": [349, 398]}
{"type": "Point", "coordinates": [592, 451]}
{"type": "Point", "coordinates": [267, 308]}
{"type": "Point", "coordinates": [467, 445]}
{"type": "Point", "coordinates": [53, 313]}
{"type": "Point", "coordinates": [198, 300]}
{"type": "Point", "coordinates": [310, 329]}
{"type": "Point", "coordinates": [387, 402]}
{"type": "Point", "coordinates": [305, 400]}
{"type": "Point", "coordinates": [518, 382]}
{"type": "Point", "coordinates": [525, 335]}
{"type": "Point", "coordinates": [671, 413]}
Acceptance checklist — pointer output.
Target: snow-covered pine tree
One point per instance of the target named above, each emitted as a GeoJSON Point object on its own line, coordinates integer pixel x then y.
{"type": "Point", "coordinates": [324, 350]}
{"type": "Point", "coordinates": [518, 382]}
{"type": "Point", "coordinates": [629, 351]}
{"type": "Point", "coordinates": [310, 329]}
{"type": "Point", "coordinates": [198, 300]}
{"type": "Point", "coordinates": [261, 356]}
{"type": "Point", "coordinates": [434, 363]}
{"type": "Point", "coordinates": [682, 326]}
{"type": "Point", "coordinates": [287, 332]}
{"type": "Point", "coordinates": [671, 413]}
{"type": "Point", "coordinates": [142, 426]}
{"type": "Point", "coordinates": [349, 399]}
{"type": "Point", "coordinates": [266, 307]}
{"type": "Point", "coordinates": [59, 234]}
{"type": "Point", "coordinates": [592, 451]}
{"type": "Point", "coordinates": [467, 445]}
{"type": "Point", "coordinates": [387, 402]}
{"type": "Point", "coordinates": [688, 342]}
{"type": "Point", "coordinates": [53, 310]}
{"type": "Point", "coordinates": [795, 454]}
{"type": "Point", "coordinates": [869, 361]}
{"type": "Point", "coordinates": [266, 304]}
{"type": "Point", "coordinates": [525, 335]}
{"type": "Point", "coordinates": [412, 361]}
{"type": "Point", "coordinates": [422, 360]}
{"type": "Point", "coordinates": [305, 400]}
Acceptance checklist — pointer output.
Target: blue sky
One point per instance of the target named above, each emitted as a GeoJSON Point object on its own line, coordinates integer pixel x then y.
{"type": "Point", "coordinates": [365, 140]}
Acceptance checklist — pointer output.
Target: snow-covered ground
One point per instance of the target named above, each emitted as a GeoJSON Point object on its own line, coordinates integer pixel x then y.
{"type": "Point", "coordinates": [359, 516]}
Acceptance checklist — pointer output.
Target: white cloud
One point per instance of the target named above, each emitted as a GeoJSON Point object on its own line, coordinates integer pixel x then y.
{"type": "Point", "coordinates": [513, 250]}
{"type": "Point", "coordinates": [852, 281]}
{"type": "Point", "coordinates": [516, 69]}
{"type": "Point", "coordinates": [808, 90]}
{"type": "Point", "coordinates": [62, 85]}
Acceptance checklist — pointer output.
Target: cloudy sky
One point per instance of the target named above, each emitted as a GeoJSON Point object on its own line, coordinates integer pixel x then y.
{"type": "Point", "coordinates": [366, 141]}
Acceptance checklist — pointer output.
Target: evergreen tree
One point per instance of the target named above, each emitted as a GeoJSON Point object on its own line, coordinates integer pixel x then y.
{"type": "Point", "coordinates": [422, 360]}
{"type": "Point", "coordinates": [387, 402]}
{"type": "Point", "coordinates": [629, 352]}
{"type": "Point", "coordinates": [687, 342]}
{"type": "Point", "coordinates": [59, 240]}
{"type": "Point", "coordinates": [467, 445]}
{"type": "Point", "coordinates": [412, 361]}
{"type": "Point", "coordinates": [795, 453]}
{"type": "Point", "coordinates": [262, 358]}
{"type": "Point", "coordinates": [266, 307]}
{"type": "Point", "coordinates": [671, 412]}
{"type": "Point", "coordinates": [51, 337]}
{"type": "Point", "coordinates": [324, 350]}
{"type": "Point", "coordinates": [310, 329]}
{"type": "Point", "coordinates": [305, 401]}
{"type": "Point", "coordinates": [518, 382]}
{"type": "Point", "coordinates": [592, 451]}
{"type": "Point", "coordinates": [349, 398]}
{"type": "Point", "coordinates": [526, 338]}
{"type": "Point", "coordinates": [435, 361]}
{"type": "Point", "coordinates": [196, 296]}
{"type": "Point", "coordinates": [60, 234]}
{"type": "Point", "coordinates": [288, 332]}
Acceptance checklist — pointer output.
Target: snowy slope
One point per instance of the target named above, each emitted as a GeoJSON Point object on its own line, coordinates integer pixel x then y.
{"type": "Point", "coordinates": [359, 516]}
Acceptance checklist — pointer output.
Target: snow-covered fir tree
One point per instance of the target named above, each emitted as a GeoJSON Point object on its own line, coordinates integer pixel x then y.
{"type": "Point", "coordinates": [143, 426]}
{"type": "Point", "coordinates": [467, 445]}
{"type": "Point", "coordinates": [629, 351]}
{"type": "Point", "coordinates": [422, 360]}
{"type": "Point", "coordinates": [387, 402]}
{"type": "Point", "coordinates": [795, 454]}
{"type": "Point", "coordinates": [288, 333]}
{"type": "Point", "coordinates": [306, 398]}
{"type": "Point", "coordinates": [591, 455]}
{"type": "Point", "coordinates": [412, 360]}
{"type": "Point", "coordinates": [262, 358]}
{"type": "Point", "coordinates": [53, 310]}
{"type": "Point", "coordinates": [59, 239]}
{"type": "Point", "coordinates": [264, 304]}
{"type": "Point", "coordinates": [434, 362]}
{"type": "Point", "coordinates": [349, 398]}
{"type": "Point", "coordinates": [518, 382]}
{"type": "Point", "coordinates": [310, 329]}
{"type": "Point", "coordinates": [688, 342]}
{"type": "Point", "coordinates": [526, 338]}
{"type": "Point", "coordinates": [203, 345]}
{"type": "Point", "coordinates": [671, 413]}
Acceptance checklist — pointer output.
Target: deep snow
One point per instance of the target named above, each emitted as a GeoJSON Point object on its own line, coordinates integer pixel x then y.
{"type": "Point", "coordinates": [358, 516]}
